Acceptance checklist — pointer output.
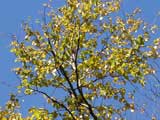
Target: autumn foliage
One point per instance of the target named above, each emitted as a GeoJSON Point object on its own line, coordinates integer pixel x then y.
{"type": "Point", "coordinates": [88, 52]}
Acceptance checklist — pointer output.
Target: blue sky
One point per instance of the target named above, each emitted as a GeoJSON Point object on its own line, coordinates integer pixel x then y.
{"type": "Point", "coordinates": [13, 12]}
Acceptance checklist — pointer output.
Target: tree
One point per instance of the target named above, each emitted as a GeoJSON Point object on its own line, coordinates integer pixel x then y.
{"type": "Point", "coordinates": [90, 55]}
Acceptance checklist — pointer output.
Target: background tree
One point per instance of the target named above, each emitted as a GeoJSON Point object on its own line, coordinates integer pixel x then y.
{"type": "Point", "coordinates": [90, 56]}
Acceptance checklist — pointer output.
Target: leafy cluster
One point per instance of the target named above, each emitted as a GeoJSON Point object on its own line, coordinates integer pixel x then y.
{"type": "Point", "coordinates": [91, 55]}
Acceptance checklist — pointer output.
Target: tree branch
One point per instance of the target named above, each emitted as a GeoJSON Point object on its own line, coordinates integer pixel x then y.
{"type": "Point", "coordinates": [55, 101]}
{"type": "Point", "coordinates": [78, 82]}
{"type": "Point", "coordinates": [62, 70]}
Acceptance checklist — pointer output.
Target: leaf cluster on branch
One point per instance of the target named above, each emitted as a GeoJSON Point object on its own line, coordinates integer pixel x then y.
{"type": "Point", "coordinates": [88, 52]}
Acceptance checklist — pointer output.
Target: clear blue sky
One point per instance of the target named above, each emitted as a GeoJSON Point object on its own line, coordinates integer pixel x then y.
{"type": "Point", "coordinates": [13, 12]}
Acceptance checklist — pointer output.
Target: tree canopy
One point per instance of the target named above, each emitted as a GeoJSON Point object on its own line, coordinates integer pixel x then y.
{"type": "Point", "coordinates": [89, 53]}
